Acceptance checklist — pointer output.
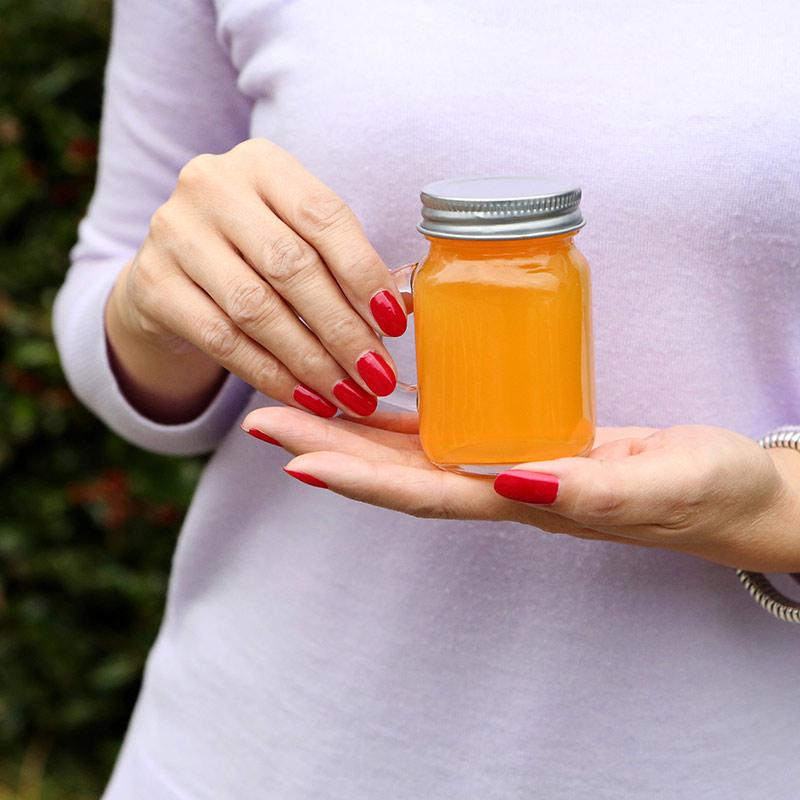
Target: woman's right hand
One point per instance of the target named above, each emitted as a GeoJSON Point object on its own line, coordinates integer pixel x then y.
{"type": "Point", "coordinates": [260, 266]}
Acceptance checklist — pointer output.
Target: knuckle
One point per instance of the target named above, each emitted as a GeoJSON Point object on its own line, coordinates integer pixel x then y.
{"type": "Point", "coordinates": [256, 147]}
{"type": "Point", "coordinates": [266, 375]}
{"type": "Point", "coordinates": [433, 510]}
{"type": "Point", "coordinates": [329, 439]}
{"type": "Point", "coordinates": [364, 265]}
{"type": "Point", "coordinates": [249, 303]}
{"type": "Point", "coordinates": [162, 223]}
{"type": "Point", "coordinates": [219, 338]}
{"type": "Point", "coordinates": [199, 171]}
{"type": "Point", "coordinates": [446, 510]}
{"type": "Point", "coordinates": [287, 259]}
{"type": "Point", "coordinates": [142, 275]}
{"type": "Point", "coordinates": [344, 329]}
{"type": "Point", "coordinates": [315, 362]}
{"type": "Point", "coordinates": [146, 275]}
{"type": "Point", "coordinates": [430, 503]}
{"type": "Point", "coordinates": [150, 328]}
{"type": "Point", "coordinates": [146, 301]}
{"type": "Point", "coordinates": [422, 509]}
{"type": "Point", "coordinates": [323, 212]}
{"type": "Point", "coordinates": [605, 504]}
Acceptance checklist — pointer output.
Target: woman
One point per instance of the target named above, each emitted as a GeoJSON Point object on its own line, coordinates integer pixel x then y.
{"type": "Point", "coordinates": [317, 647]}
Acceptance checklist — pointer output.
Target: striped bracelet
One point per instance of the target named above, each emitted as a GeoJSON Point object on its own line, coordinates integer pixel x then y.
{"type": "Point", "coordinates": [761, 590]}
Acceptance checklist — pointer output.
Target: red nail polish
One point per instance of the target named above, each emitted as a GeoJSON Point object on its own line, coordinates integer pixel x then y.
{"type": "Point", "coordinates": [263, 436]}
{"type": "Point", "coordinates": [388, 313]}
{"type": "Point", "coordinates": [306, 478]}
{"type": "Point", "coordinates": [350, 394]}
{"type": "Point", "coordinates": [377, 374]}
{"type": "Point", "coordinates": [313, 402]}
{"type": "Point", "coordinates": [527, 486]}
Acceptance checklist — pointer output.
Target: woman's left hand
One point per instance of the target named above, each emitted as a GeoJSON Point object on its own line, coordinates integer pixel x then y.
{"type": "Point", "coordinates": [697, 489]}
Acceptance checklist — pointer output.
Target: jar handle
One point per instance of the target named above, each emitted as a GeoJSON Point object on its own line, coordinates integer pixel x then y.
{"type": "Point", "coordinates": [405, 394]}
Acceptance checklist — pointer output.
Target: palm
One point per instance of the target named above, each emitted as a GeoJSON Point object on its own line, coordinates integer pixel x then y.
{"type": "Point", "coordinates": [698, 489]}
{"type": "Point", "coordinates": [379, 460]}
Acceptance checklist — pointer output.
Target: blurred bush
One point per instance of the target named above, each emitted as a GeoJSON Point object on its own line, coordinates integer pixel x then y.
{"type": "Point", "coordinates": [87, 523]}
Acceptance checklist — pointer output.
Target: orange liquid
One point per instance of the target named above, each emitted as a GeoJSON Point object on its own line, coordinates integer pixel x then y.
{"type": "Point", "coordinates": [504, 352]}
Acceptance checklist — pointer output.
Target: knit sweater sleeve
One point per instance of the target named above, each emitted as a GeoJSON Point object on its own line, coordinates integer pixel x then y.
{"type": "Point", "coordinates": [170, 94]}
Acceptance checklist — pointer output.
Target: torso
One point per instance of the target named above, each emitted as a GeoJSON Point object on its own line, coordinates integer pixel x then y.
{"type": "Point", "coordinates": [314, 647]}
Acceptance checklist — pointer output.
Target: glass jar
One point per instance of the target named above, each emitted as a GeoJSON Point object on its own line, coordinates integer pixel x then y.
{"type": "Point", "coordinates": [503, 325]}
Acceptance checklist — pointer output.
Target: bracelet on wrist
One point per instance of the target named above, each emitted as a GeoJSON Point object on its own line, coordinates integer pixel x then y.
{"type": "Point", "coordinates": [759, 586]}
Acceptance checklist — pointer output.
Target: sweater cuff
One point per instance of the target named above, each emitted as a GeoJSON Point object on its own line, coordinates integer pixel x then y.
{"type": "Point", "coordinates": [80, 333]}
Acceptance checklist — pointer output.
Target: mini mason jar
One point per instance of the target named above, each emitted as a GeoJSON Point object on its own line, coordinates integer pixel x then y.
{"type": "Point", "coordinates": [502, 324]}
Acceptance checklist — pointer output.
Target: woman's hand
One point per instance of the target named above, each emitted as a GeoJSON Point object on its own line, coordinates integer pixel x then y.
{"type": "Point", "coordinates": [701, 490]}
{"type": "Point", "coordinates": [256, 264]}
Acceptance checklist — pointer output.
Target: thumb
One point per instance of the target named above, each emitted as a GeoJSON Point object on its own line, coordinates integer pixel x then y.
{"type": "Point", "coordinates": [594, 491]}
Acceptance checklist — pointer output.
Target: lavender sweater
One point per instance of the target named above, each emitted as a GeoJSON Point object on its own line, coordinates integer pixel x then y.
{"type": "Point", "coordinates": [314, 647]}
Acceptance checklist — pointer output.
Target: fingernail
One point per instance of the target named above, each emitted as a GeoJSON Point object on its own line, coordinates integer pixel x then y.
{"type": "Point", "coordinates": [388, 314]}
{"type": "Point", "coordinates": [313, 402]}
{"type": "Point", "coordinates": [263, 436]}
{"type": "Point", "coordinates": [350, 394]}
{"type": "Point", "coordinates": [306, 478]}
{"type": "Point", "coordinates": [527, 486]}
{"type": "Point", "coordinates": [377, 374]}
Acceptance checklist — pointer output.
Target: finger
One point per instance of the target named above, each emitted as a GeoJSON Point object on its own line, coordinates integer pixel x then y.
{"type": "Point", "coordinates": [260, 312]}
{"type": "Point", "coordinates": [431, 494]}
{"type": "Point", "coordinates": [299, 433]}
{"type": "Point", "coordinates": [293, 268]}
{"type": "Point", "coordinates": [324, 220]}
{"type": "Point", "coordinates": [631, 495]}
{"type": "Point", "coordinates": [274, 420]}
{"type": "Point", "coordinates": [181, 306]}
{"type": "Point", "coordinates": [422, 492]}
{"type": "Point", "coordinates": [400, 421]}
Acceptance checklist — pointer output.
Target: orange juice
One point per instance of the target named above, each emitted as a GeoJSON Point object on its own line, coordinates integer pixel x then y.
{"type": "Point", "coordinates": [504, 352]}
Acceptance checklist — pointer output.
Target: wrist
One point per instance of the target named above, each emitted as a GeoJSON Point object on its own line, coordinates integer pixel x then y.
{"type": "Point", "coordinates": [782, 448]}
{"type": "Point", "coordinates": [787, 464]}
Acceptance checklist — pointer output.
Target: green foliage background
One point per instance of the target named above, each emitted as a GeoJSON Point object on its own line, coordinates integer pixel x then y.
{"type": "Point", "coordinates": [87, 523]}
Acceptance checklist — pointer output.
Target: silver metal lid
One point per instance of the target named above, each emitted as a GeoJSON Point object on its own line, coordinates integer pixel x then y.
{"type": "Point", "coordinates": [500, 208]}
